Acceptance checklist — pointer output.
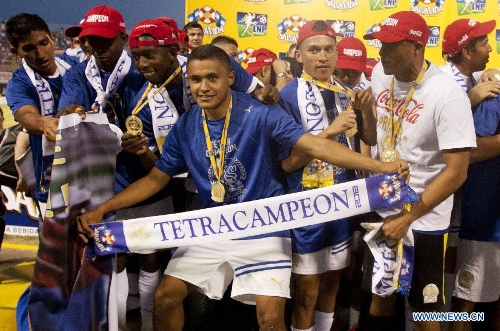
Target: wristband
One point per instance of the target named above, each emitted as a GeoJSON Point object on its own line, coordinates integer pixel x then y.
{"type": "Point", "coordinates": [281, 74]}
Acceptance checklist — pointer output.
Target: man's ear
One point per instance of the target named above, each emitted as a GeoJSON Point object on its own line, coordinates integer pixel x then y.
{"type": "Point", "coordinates": [13, 50]}
{"type": "Point", "coordinates": [264, 71]}
{"type": "Point", "coordinates": [467, 53]}
{"type": "Point", "coordinates": [124, 39]}
{"type": "Point", "coordinates": [298, 57]}
{"type": "Point", "coordinates": [231, 78]}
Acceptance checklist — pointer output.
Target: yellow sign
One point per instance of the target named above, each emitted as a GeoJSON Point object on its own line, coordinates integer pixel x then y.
{"type": "Point", "coordinates": [274, 24]}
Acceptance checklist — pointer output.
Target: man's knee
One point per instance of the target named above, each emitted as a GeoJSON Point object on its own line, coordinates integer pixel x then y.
{"type": "Point", "coordinates": [171, 292]}
{"type": "Point", "coordinates": [270, 311]}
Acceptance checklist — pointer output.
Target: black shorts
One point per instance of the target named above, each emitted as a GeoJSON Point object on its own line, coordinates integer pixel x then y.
{"type": "Point", "coordinates": [427, 285]}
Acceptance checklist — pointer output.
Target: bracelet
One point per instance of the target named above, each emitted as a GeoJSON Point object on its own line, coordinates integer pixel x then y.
{"type": "Point", "coordinates": [281, 74]}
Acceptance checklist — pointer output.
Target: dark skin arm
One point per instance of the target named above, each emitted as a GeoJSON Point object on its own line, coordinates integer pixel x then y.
{"type": "Point", "coordinates": [29, 117]}
{"type": "Point", "coordinates": [363, 100]}
{"type": "Point", "coordinates": [336, 153]}
{"type": "Point", "coordinates": [487, 148]}
{"type": "Point", "coordinates": [137, 144]}
{"type": "Point", "coordinates": [445, 184]}
{"type": "Point", "coordinates": [268, 94]}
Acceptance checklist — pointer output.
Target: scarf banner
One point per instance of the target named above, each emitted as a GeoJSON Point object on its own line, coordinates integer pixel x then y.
{"type": "Point", "coordinates": [68, 292]}
{"type": "Point", "coordinates": [393, 261]}
{"type": "Point", "coordinates": [253, 217]}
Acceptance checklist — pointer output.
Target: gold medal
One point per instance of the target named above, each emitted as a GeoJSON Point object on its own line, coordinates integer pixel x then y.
{"type": "Point", "coordinates": [133, 124]}
{"type": "Point", "coordinates": [218, 192]}
{"type": "Point", "coordinates": [390, 155]}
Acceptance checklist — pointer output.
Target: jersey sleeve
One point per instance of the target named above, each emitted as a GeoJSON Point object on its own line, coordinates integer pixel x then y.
{"type": "Point", "coordinates": [243, 81]}
{"type": "Point", "coordinates": [73, 90]}
{"type": "Point", "coordinates": [487, 117]}
{"type": "Point", "coordinates": [172, 160]}
{"type": "Point", "coordinates": [283, 129]}
{"type": "Point", "coordinates": [18, 93]}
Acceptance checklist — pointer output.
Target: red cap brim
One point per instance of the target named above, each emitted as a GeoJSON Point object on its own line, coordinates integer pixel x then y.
{"type": "Point", "coordinates": [73, 31]}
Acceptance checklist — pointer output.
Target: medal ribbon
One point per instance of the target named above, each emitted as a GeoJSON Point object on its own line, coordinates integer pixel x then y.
{"type": "Point", "coordinates": [218, 168]}
{"type": "Point", "coordinates": [396, 127]}
{"type": "Point", "coordinates": [143, 101]}
{"type": "Point", "coordinates": [334, 88]}
{"type": "Point", "coordinates": [329, 86]}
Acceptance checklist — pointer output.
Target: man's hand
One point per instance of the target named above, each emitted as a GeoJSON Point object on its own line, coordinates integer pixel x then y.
{"type": "Point", "coordinates": [72, 109]}
{"type": "Point", "coordinates": [134, 143]}
{"type": "Point", "coordinates": [396, 226]}
{"type": "Point", "coordinates": [280, 65]}
{"type": "Point", "coordinates": [401, 167]}
{"type": "Point", "coordinates": [344, 121]}
{"type": "Point", "coordinates": [483, 90]}
{"type": "Point", "coordinates": [362, 99]}
{"type": "Point", "coordinates": [49, 127]}
{"type": "Point", "coordinates": [490, 75]}
{"type": "Point", "coordinates": [268, 94]}
{"type": "Point", "coordinates": [83, 221]}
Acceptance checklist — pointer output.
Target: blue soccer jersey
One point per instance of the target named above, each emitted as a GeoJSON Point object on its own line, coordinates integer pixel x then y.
{"type": "Point", "coordinates": [21, 92]}
{"type": "Point", "coordinates": [251, 156]}
{"type": "Point", "coordinates": [481, 191]}
{"type": "Point", "coordinates": [313, 238]}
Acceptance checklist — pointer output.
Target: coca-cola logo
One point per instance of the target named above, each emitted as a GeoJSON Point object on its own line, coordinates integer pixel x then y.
{"type": "Point", "coordinates": [412, 113]}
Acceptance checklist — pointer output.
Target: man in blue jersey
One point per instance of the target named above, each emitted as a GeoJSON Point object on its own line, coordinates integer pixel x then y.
{"type": "Point", "coordinates": [34, 90]}
{"type": "Point", "coordinates": [321, 251]}
{"type": "Point", "coordinates": [107, 82]}
{"type": "Point", "coordinates": [478, 259]}
{"type": "Point", "coordinates": [226, 142]}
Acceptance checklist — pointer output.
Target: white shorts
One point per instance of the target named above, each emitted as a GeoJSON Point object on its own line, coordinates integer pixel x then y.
{"type": "Point", "coordinates": [478, 267]}
{"type": "Point", "coordinates": [335, 257]}
{"type": "Point", "coordinates": [256, 267]}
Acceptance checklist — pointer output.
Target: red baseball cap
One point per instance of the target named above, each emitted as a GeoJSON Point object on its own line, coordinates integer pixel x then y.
{"type": "Point", "coordinates": [73, 31]}
{"type": "Point", "coordinates": [170, 22]}
{"type": "Point", "coordinates": [161, 32]}
{"type": "Point", "coordinates": [182, 37]}
{"type": "Point", "coordinates": [403, 25]}
{"type": "Point", "coordinates": [307, 31]}
{"type": "Point", "coordinates": [370, 65]}
{"type": "Point", "coordinates": [460, 33]}
{"type": "Point", "coordinates": [260, 58]}
{"type": "Point", "coordinates": [102, 21]}
{"type": "Point", "coordinates": [351, 54]}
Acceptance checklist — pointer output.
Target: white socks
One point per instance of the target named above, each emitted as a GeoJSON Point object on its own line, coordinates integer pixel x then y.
{"type": "Point", "coordinates": [322, 321]}
{"type": "Point", "coordinates": [147, 285]}
{"type": "Point", "coordinates": [121, 298]}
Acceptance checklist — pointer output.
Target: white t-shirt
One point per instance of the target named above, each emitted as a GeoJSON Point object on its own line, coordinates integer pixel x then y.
{"type": "Point", "coordinates": [438, 118]}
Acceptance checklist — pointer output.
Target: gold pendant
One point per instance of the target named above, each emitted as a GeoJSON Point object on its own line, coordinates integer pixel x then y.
{"type": "Point", "coordinates": [218, 192]}
{"type": "Point", "coordinates": [133, 124]}
{"type": "Point", "coordinates": [390, 155]}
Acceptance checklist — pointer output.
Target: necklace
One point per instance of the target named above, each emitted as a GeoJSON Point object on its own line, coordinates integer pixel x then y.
{"type": "Point", "coordinates": [218, 190]}
{"type": "Point", "coordinates": [390, 153]}
{"type": "Point", "coordinates": [134, 123]}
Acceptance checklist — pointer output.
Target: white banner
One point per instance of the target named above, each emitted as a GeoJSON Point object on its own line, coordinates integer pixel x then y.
{"type": "Point", "coordinates": [252, 218]}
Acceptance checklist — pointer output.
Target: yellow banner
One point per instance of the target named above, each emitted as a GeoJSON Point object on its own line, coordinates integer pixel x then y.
{"type": "Point", "coordinates": [274, 24]}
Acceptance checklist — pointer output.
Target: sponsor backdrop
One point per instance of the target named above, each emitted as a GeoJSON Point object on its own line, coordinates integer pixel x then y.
{"type": "Point", "coordinates": [274, 24]}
